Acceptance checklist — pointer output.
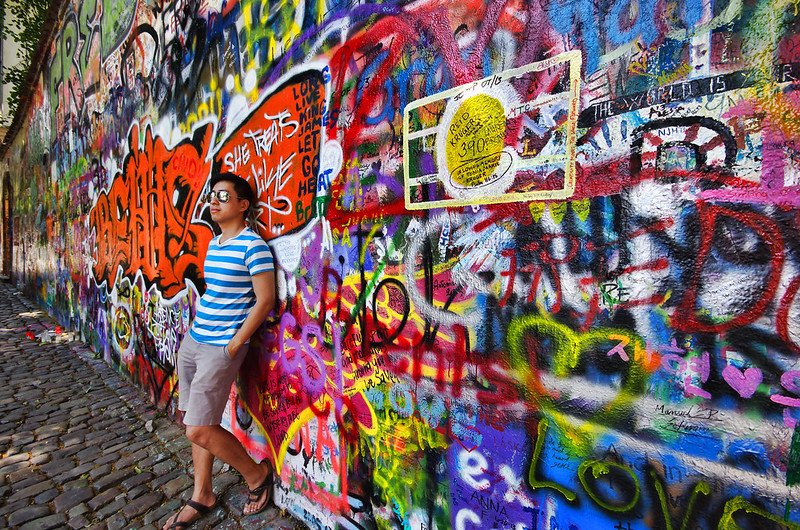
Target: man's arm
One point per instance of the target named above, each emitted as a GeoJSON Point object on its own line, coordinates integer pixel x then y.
{"type": "Point", "coordinates": [264, 289]}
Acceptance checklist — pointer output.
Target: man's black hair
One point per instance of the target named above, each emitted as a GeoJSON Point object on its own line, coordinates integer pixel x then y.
{"type": "Point", "coordinates": [240, 186]}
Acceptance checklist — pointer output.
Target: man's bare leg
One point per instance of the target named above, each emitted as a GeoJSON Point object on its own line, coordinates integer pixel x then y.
{"type": "Point", "coordinates": [227, 448]}
{"type": "Point", "coordinates": [203, 462]}
{"type": "Point", "coordinates": [209, 441]}
{"type": "Point", "coordinates": [203, 492]}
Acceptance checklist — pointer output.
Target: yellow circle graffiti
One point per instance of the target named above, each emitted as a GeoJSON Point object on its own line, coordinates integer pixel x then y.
{"type": "Point", "coordinates": [475, 140]}
{"type": "Point", "coordinates": [122, 328]}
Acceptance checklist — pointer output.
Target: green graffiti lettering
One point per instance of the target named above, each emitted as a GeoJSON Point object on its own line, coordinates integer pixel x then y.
{"type": "Point", "coordinates": [700, 487]}
{"type": "Point", "coordinates": [537, 451]}
{"type": "Point", "coordinates": [736, 504]}
{"type": "Point", "coordinates": [602, 468]}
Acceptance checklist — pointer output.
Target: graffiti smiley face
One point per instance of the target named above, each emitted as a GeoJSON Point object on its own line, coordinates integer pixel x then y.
{"type": "Point", "coordinates": [122, 331]}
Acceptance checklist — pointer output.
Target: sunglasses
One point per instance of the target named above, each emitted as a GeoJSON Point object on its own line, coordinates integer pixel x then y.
{"type": "Point", "coordinates": [222, 196]}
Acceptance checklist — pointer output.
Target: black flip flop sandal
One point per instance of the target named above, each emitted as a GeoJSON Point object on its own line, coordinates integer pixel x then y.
{"type": "Point", "coordinates": [254, 494]}
{"type": "Point", "coordinates": [201, 510]}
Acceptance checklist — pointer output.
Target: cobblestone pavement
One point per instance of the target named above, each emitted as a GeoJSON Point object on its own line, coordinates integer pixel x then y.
{"type": "Point", "coordinates": [76, 447]}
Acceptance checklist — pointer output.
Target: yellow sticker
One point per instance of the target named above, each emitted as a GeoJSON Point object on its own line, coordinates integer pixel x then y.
{"type": "Point", "coordinates": [475, 140]}
{"type": "Point", "coordinates": [581, 208]}
{"type": "Point", "coordinates": [557, 211]}
{"type": "Point", "coordinates": [537, 210]}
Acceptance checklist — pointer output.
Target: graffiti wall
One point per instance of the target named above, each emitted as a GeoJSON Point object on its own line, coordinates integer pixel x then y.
{"type": "Point", "coordinates": [538, 261]}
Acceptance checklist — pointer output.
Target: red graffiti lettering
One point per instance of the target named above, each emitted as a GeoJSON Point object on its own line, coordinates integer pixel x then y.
{"type": "Point", "coordinates": [687, 315]}
{"type": "Point", "coordinates": [783, 314]}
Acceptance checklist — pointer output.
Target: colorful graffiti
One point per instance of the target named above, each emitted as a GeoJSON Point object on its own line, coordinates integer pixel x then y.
{"type": "Point", "coordinates": [539, 262]}
{"type": "Point", "coordinates": [141, 225]}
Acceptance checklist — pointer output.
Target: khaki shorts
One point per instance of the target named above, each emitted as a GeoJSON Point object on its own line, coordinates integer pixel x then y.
{"type": "Point", "coordinates": [205, 375]}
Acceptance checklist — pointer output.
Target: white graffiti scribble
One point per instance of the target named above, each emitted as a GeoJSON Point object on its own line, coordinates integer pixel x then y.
{"type": "Point", "coordinates": [271, 185]}
{"type": "Point", "coordinates": [165, 322]}
{"type": "Point", "coordinates": [265, 139]}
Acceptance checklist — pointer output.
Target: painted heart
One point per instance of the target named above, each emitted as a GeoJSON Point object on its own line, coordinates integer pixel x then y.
{"type": "Point", "coordinates": [468, 444]}
{"type": "Point", "coordinates": [526, 333]}
{"type": "Point", "coordinates": [744, 383]}
{"type": "Point", "coordinates": [276, 395]}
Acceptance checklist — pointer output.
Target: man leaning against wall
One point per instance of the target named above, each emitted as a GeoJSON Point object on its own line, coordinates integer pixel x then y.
{"type": "Point", "coordinates": [240, 293]}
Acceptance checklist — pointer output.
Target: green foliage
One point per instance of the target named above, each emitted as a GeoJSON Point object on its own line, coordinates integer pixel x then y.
{"type": "Point", "coordinates": [22, 22]}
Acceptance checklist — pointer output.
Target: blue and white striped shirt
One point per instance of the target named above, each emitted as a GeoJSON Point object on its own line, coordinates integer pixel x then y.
{"type": "Point", "coordinates": [229, 295]}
